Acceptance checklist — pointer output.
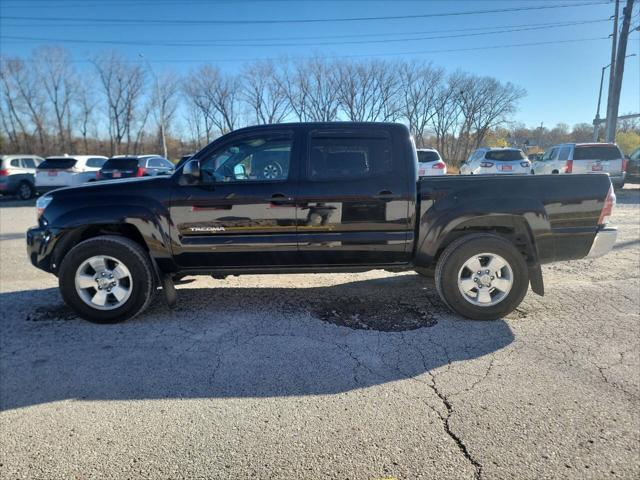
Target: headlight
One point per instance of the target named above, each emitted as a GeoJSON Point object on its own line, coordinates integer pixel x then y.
{"type": "Point", "coordinates": [42, 203]}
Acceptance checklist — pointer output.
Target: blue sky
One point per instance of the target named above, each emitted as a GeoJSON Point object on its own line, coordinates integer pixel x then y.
{"type": "Point", "coordinates": [561, 74]}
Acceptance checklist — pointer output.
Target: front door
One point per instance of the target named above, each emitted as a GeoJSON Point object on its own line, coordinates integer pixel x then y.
{"type": "Point", "coordinates": [242, 212]}
{"type": "Point", "coordinates": [353, 206]}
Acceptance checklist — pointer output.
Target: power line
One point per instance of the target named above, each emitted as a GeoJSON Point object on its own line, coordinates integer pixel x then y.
{"type": "Point", "coordinates": [391, 54]}
{"type": "Point", "coordinates": [227, 44]}
{"type": "Point", "coordinates": [143, 21]}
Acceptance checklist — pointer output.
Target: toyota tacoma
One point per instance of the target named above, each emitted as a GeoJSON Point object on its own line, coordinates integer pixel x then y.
{"type": "Point", "coordinates": [316, 197]}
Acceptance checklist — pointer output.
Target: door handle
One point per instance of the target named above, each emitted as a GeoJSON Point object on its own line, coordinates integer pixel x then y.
{"type": "Point", "coordinates": [280, 199]}
{"type": "Point", "coordinates": [386, 196]}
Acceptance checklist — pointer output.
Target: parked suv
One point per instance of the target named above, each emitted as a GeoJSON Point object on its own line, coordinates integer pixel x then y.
{"type": "Point", "coordinates": [583, 158]}
{"type": "Point", "coordinates": [135, 166]}
{"type": "Point", "coordinates": [430, 163]}
{"type": "Point", "coordinates": [17, 175]}
{"type": "Point", "coordinates": [633, 166]}
{"type": "Point", "coordinates": [67, 171]}
{"type": "Point", "coordinates": [501, 161]}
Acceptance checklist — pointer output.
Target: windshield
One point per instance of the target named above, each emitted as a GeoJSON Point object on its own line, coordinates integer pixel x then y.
{"type": "Point", "coordinates": [597, 152]}
{"type": "Point", "coordinates": [505, 155]}
{"type": "Point", "coordinates": [57, 163]}
{"type": "Point", "coordinates": [428, 156]}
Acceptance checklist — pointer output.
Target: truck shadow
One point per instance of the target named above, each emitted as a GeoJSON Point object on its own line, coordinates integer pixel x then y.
{"type": "Point", "coordinates": [237, 342]}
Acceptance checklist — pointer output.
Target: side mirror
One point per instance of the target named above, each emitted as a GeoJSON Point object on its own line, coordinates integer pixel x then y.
{"type": "Point", "coordinates": [239, 172]}
{"type": "Point", "coordinates": [191, 172]}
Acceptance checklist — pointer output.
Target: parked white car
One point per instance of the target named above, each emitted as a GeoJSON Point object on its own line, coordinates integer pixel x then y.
{"type": "Point", "coordinates": [496, 161]}
{"type": "Point", "coordinates": [430, 163]}
{"type": "Point", "coordinates": [67, 171]}
{"type": "Point", "coordinates": [583, 158]}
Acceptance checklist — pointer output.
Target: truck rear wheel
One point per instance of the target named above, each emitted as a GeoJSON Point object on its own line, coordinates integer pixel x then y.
{"type": "Point", "coordinates": [482, 276]}
{"type": "Point", "coordinates": [107, 279]}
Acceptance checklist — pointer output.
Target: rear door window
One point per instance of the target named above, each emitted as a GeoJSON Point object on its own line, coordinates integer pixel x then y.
{"type": "Point", "coordinates": [596, 152]}
{"type": "Point", "coordinates": [348, 157]}
{"type": "Point", "coordinates": [57, 164]}
{"type": "Point", "coordinates": [29, 163]}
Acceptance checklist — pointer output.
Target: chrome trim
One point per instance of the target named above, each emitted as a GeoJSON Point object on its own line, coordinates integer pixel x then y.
{"type": "Point", "coordinates": [603, 242]}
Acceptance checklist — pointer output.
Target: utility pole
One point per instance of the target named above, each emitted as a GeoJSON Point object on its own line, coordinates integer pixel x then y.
{"type": "Point", "coordinates": [614, 46]}
{"type": "Point", "coordinates": [612, 113]}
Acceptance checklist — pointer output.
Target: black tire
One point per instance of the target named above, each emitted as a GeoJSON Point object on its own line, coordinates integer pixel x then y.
{"type": "Point", "coordinates": [455, 256]}
{"type": "Point", "coordinates": [135, 258]}
{"type": "Point", "coordinates": [25, 191]}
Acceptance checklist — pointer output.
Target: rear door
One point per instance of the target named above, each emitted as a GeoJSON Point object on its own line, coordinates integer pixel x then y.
{"type": "Point", "coordinates": [597, 159]}
{"type": "Point", "coordinates": [353, 206]}
{"type": "Point", "coordinates": [242, 213]}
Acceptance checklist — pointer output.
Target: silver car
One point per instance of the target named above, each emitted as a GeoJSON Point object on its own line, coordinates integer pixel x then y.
{"type": "Point", "coordinates": [583, 158]}
{"type": "Point", "coordinates": [496, 161]}
{"type": "Point", "coordinates": [17, 175]}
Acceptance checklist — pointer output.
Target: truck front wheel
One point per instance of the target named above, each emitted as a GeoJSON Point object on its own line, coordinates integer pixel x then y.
{"type": "Point", "coordinates": [482, 276]}
{"type": "Point", "coordinates": [107, 279]}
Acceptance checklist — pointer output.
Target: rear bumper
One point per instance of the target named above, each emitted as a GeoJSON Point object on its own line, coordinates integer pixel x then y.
{"type": "Point", "coordinates": [603, 242]}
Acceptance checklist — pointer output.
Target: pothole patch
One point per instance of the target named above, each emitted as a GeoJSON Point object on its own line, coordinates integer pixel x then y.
{"type": "Point", "coordinates": [56, 313]}
{"type": "Point", "coordinates": [383, 316]}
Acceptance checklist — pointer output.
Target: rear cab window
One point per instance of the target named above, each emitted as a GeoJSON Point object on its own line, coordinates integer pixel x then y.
{"type": "Point", "coordinates": [340, 156]}
{"type": "Point", "coordinates": [64, 163]}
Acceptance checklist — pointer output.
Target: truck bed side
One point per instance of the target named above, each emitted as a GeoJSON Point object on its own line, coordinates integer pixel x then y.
{"type": "Point", "coordinates": [550, 218]}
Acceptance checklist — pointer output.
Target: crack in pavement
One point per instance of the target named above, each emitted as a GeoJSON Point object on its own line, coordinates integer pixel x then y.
{"type": "Point", "coordinates": [462, 447]}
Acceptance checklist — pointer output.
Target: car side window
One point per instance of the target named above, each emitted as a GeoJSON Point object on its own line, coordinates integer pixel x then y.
{"type": "Point", "coordinates": [15, 163]}
{"type": "Point", "coordinates": [550, 155]}
{"type": "Point", "coordinates": [155, 163]}
{"type": "Point", "coordinates": [28, 163]}
{"type": "Point", "coordinates": [563, 153]}
{"type": "Point", "coordinates": [167, 164]}
{"type": "Point", "coordinates": [348, 157]}
{"type": "Point", "coordinates": [259, 158]}
{"type": "Point", "coordinates": [96, 162]}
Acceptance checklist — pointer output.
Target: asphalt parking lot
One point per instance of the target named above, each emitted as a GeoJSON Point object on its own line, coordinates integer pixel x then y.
{"type": "Point", "coordinates": [360, 376]}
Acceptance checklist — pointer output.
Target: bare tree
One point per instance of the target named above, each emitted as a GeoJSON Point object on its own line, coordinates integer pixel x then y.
{"type": "Point", "coordinates": [367, 90]}
{"type": "Point", "coordinates": [85, 106]}
{"type": "Point", "coordinates": [24, 99]}
{"type": "Point", "coordinates": [58, 80]}
{"type": "Point", "coordinates": [122, 84]}
{"type": "Point", "coordinates": [496, 103]}
{"type": "Point", "coordinates": [420, 86]}
{"type": "Point", "coordinates": [165, 103]}
{"type": "Point", "coordinates": [264, 93]}
{"type": "Point", "coordinates": [216, 96]}
{"type": "Point", "coordinates": [311, 88]}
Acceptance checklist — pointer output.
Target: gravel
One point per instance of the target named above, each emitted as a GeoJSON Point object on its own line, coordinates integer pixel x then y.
{"type": "Point", "coordinates": [363, 376]}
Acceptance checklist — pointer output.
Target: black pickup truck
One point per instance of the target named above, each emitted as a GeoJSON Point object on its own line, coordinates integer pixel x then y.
{"type": "Point", "coordinates": [316, 197]}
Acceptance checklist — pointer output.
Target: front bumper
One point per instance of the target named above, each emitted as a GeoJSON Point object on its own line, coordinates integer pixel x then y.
{"type": "Point", "coordinates": [40, 247]}
{"type": "Point", "coordinates": [603, 242]}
